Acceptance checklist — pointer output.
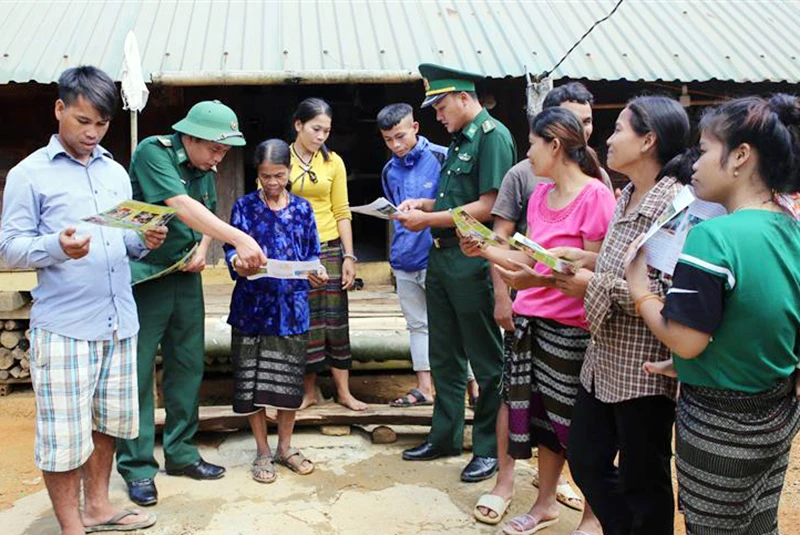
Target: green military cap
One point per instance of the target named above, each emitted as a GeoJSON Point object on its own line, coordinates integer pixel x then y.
{"type": "Point", "coordinates": [213, 121]}
{"type": "Point", "coordinates": [440, 81]}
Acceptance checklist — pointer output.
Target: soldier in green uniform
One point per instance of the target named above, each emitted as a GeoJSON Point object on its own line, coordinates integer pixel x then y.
{"type": "Point", "coordinates": [178, 171]}
{"type": "Point", "coordinates": [459, 289]}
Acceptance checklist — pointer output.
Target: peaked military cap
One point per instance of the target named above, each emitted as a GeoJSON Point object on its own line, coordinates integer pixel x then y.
{"type": "Point", "coordinates": [440, 81]}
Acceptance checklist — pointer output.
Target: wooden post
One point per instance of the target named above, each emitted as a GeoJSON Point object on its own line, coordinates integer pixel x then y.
{"type": "Point", "coordinates": [134, 130]}
{"type": "Point", "coordinates": [230, 186]}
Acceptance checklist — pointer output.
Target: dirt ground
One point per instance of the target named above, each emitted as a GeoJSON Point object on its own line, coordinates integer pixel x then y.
{"type": "Point", "coordinates": [355, 478]}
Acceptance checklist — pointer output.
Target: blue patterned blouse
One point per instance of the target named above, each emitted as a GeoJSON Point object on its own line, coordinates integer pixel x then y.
{"type": "Point", "coordinates": [272, 306]}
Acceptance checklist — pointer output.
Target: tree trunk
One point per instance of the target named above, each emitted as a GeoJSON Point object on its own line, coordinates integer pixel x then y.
{"type": "Point", "coordinates": [10, 339]}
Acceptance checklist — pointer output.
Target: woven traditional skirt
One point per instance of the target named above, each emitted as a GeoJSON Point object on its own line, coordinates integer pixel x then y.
{"type": "Point", "coordinates": [267, 371]}
{"type": "Point", "coordinates": [329, 335]}
{"type": "Point", "coordinates": [540, 382]}
{"type": "Point", "coordinates": [732, 450]}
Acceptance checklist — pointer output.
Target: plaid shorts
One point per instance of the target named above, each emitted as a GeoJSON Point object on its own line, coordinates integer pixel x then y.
{"type": "Point", "coordinates": [81, 386]}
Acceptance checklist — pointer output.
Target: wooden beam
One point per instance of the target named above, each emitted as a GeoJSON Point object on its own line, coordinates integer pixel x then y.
{"type": "Point", "coordinates": [219, 418]}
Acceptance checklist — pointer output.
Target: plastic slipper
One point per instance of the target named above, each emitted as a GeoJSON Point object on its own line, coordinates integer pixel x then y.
{"type": "Point", "coordinates": [419, 400]}
{"type": "Point", "coordinates": [528, 524]}
{"type": "Point", "coordinates": [494, 503]}
{"type": "Point", "coordinates": [263, 469]}
{"type": "Point", "coordinates": [113, 523]}
{"type": "Point", "coordinates": [565, 494]}
{"type": "Point", "coordinates": [294, 467]}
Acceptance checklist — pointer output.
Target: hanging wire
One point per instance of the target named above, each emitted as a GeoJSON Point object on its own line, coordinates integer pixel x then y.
{"type": "Point", "coordinates": [557, 65]}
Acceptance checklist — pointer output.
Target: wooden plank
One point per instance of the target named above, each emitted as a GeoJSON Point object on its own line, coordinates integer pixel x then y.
{"type": "Point", "coordinates": [13, 300]}
{"type": "Point", "coordinates": [223, 417]}
{"type": "Point", "coordinates": [7, 385]}
{"type": "Point", "coordinates": [22, 313]}
{"type": "Point", "coordinates": [18, 281]}
{"type": "Point", "coordinates": [14, 381]}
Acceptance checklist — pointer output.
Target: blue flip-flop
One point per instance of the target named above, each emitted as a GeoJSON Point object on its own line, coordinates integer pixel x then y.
{"type": "Point", "coordinates": [419, 400]}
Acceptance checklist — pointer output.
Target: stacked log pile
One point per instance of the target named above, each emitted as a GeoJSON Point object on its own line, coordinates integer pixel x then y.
{"type": "Point", "coordinates": [15, 350]}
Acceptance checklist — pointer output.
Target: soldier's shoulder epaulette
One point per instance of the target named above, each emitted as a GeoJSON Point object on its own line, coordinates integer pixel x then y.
{"type": "Point", "coordinates": [166, 141]}
{"type": "Point", "coordinates": [487, 126]}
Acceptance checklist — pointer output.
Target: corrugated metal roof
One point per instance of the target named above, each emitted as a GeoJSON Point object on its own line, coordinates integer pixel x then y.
{"type": "Point", "coordinates": [238, 41]}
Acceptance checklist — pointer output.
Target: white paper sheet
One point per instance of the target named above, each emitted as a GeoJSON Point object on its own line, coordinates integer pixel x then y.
{"type": "Point", "coordinates": [287, 269]}
{"type": "Point", "coordinates": [665, 239]}
{"type": "Point", "coordinates": [380, 208]}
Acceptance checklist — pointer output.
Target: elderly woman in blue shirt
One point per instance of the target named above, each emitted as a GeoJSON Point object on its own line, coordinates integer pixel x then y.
{"type": "Point", "coordinates": [270, 317]}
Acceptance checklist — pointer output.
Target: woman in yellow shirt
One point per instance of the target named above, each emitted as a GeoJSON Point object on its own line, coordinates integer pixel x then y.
{"type": "Point", "coordinates": [318, 175]}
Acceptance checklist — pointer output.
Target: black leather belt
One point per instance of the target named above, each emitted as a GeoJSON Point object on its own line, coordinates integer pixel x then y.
{"type": "Point", "coordinates": [445, 243]}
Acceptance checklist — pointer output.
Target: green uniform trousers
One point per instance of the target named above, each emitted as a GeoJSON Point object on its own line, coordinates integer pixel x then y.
{"type": "Point", "coordinates": [171, 313]}
{"type": "Point", "coordinates": [461, 327]}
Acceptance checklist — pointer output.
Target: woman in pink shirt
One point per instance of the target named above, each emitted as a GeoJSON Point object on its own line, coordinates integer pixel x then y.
{"type": "Point", "coordinates": [551, 334]}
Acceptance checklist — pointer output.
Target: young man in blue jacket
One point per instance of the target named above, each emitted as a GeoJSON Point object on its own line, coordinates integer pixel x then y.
{"type": "Point", "coordinates": [412, 173]}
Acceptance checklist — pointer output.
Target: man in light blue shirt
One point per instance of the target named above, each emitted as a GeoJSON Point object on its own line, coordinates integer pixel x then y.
{"type": "Point", "coordinates": [83, 321]}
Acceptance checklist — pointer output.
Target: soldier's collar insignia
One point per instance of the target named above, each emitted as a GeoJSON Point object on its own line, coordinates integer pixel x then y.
{"type": "Point", "coordinates": [469, 132]}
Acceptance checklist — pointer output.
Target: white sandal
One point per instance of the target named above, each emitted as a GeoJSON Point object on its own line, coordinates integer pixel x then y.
{"type": "Point", "coordinates": [493, 503]}
{"type": "Point", "coordinates": [565, 494]}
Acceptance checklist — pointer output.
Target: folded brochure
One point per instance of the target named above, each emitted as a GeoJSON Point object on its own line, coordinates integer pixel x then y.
{"type": "Point", "coordinates": [540, 254]}
{"type": "Point", "coordinates": [288, 269]}
{"type": "Point", "coordinates": [133, 215]}
{"type": "Point", "coordinates": [380, 208]}
{"type": "Point", "coordinates": [664, 240]}
{"type": "Point", "coordinates": [177, 266]}
{"type": "Point", "coordinates": [469, 226]}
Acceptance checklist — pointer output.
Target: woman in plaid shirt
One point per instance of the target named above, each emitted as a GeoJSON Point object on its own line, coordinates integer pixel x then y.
{"type": "Point", "coordinates": [620, 409]}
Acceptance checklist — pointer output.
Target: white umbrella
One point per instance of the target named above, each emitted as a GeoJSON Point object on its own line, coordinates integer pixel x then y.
{"type": "Point", "coordinates": [134, 90]}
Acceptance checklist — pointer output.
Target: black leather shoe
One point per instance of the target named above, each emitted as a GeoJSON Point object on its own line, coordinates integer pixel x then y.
{"type": "Point", "coordinates": [426, 452]}
{"type": "Point", "coordinates": [143, 492]}
{"type": "Point", "coordinates": [478, 469]}
{"type": "Point", "coordinates": [199, 470]}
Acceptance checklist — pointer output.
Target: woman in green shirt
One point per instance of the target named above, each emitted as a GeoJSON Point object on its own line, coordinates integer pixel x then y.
{"type": "Point", "coordinates": [732, 320]}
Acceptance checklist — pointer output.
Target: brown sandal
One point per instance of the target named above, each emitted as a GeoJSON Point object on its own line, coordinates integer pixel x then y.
{"type": "Point", "coordinates": [263, 469]}
{"type": "Point", "coordinates": [296, 467]}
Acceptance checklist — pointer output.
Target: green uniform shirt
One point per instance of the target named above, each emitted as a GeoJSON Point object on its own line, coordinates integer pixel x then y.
{"type": "Point", "coordinates": [477, 160]}
{"type": "Point", "coordinates": [160, 169]}
{"type": "Point", "coordinates": [738, 279]}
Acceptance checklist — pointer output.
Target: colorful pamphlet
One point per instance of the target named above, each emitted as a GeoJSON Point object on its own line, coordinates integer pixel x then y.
{"type": "Point", "coordinates": [469, 226]}
{"type": "Point", "coordinates": [133, 215]}
{"type": "Point", "coordinates": [540, 254]}
{"type": "Point", "coordinates": [663, 241]}
{"type": "Point", "coordinates": [380, 208]}
{"type": "Point", "coordinates": [177, 266]}
{"type": "Point", "coordinates": [288, 269]}
{"type": "Point", "coordinates": [680, 202]}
